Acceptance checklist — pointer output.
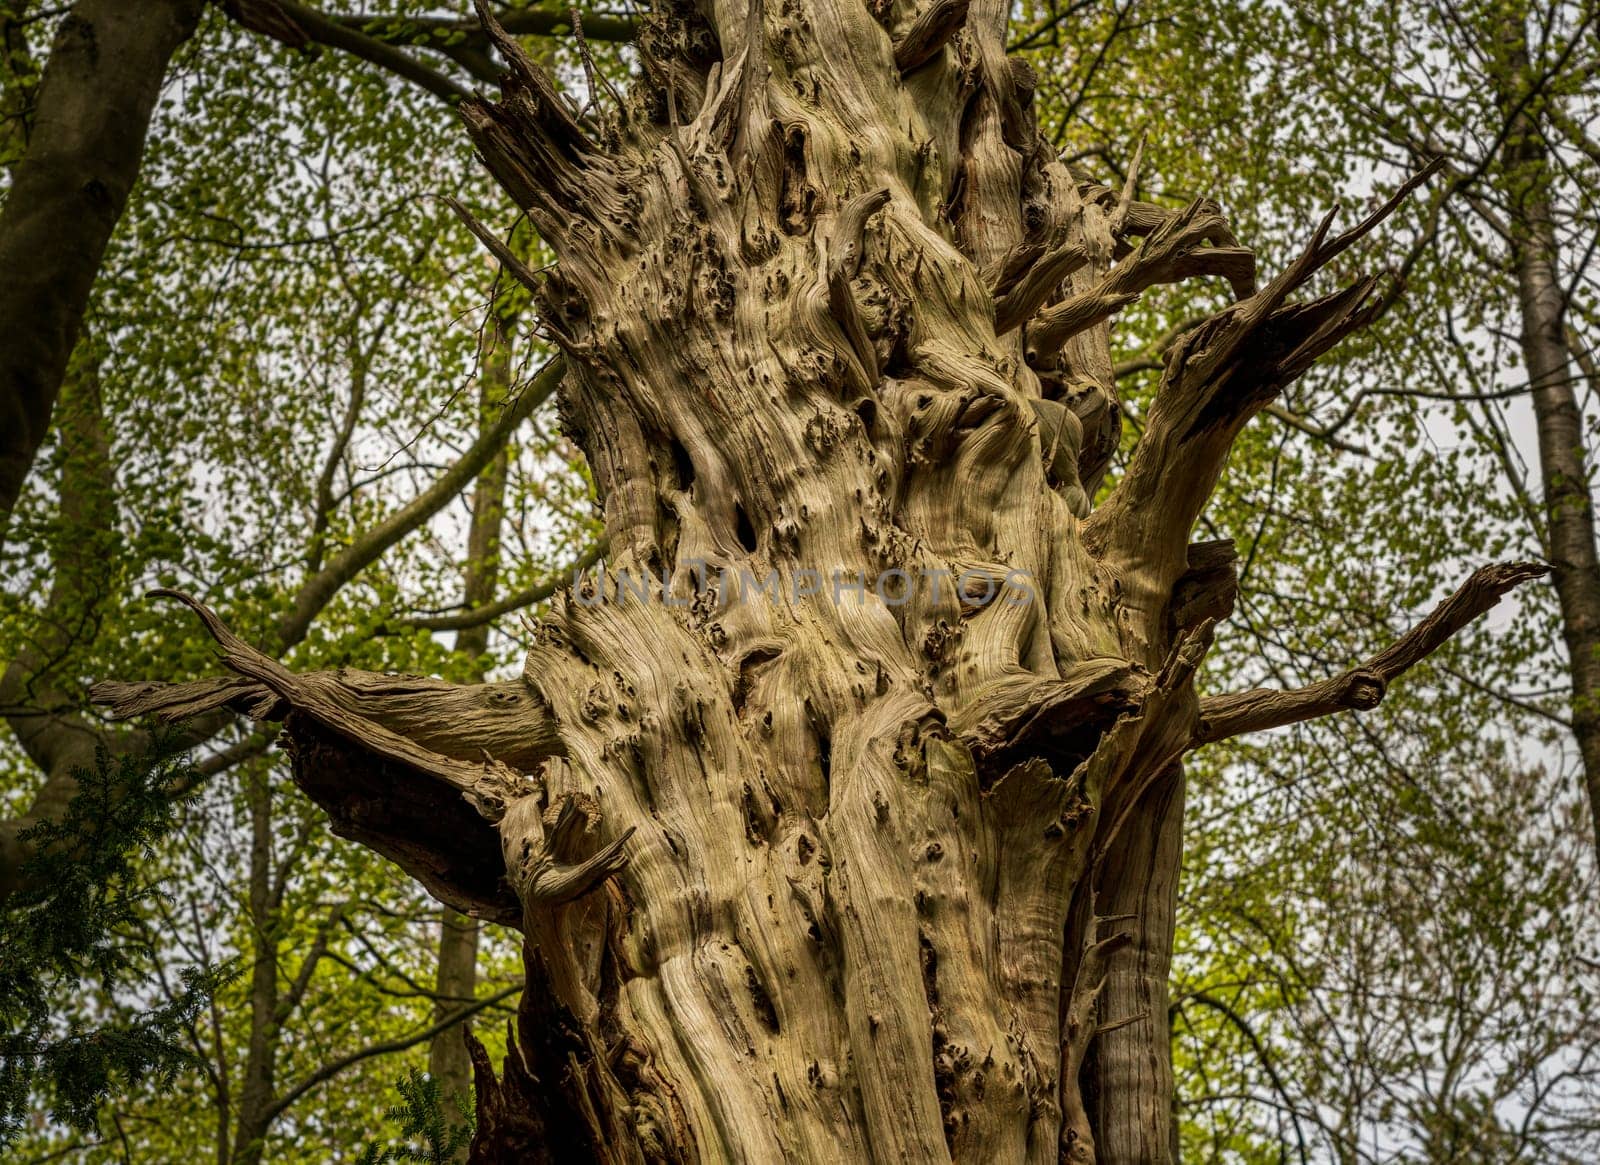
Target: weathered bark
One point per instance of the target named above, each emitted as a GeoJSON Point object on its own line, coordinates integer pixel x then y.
{"type": "Point", "coordinates": [68, 191]}
{"type": "Point", "coordinates": [871, 875]}
{"type": "Point", "coordinates": [1568, 505]}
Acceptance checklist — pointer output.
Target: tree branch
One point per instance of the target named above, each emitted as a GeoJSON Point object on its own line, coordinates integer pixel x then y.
{"type": "Point", "coordinates": [929, 32]}
{"type": "Point", "coordinates": [1035, 285]}
{"type": "Point", "coordinates": [417, 769]}
{"type": "Point", "coordinates": [1315, 431]}
{"type": "Point", "coordinates": [1179, 248]}
{"type": "Point", "coordinates": [516, 601]}
{"type": "Point", "coordinates": [454, 733]}
{"type": "Point", "coordinates": [1362, 687]}
{"type": "Point", "coordinates": [320, 589]}
{"type": "Point", "coordinates": [531, 140]}
{"type": "Point", "coordinates": [301, 983]}
{"type": "Point", "coordinates": [333, 1067]}
{"type": "Point", "coordinates": [1217, 376]}
{"type": "Point", "coordinates": [296, 25]}
{"type": "Point", "coordinates": [1262, 1057]}
{"type": "Point", "coordinates": [439, 31]}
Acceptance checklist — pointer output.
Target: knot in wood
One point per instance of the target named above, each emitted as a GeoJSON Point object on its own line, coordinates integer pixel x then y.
{"type": "Point", "coordinates": [1365, 690]}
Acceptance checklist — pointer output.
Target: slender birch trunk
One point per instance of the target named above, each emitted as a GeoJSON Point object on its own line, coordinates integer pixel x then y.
{"type": "Point", "coordinates": [1552, 375]}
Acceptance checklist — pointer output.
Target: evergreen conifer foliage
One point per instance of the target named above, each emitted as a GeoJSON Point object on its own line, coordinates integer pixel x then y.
{"type": "Point", "coordinates": [65, 938]}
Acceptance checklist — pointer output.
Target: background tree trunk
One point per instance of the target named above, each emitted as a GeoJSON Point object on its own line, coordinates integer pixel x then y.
{"type": "Point", "coordinates": [1552, 376]}
{"type": "Point", "coordinates": [258, 1087]}
{"type": "Point", "coordinates": [456, 981]}
{"type": "Point", "coordinates": [67, 193]}
{"type": "Point", "coordinates": [457, 978]}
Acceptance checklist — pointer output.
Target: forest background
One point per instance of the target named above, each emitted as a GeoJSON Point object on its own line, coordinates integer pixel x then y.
{"type": "Point", "coordinates": [302, 391]}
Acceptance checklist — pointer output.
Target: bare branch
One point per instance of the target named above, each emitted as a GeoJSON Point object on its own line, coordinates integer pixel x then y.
{"type": "Point", "coordinates": [1315, 431]}
{"type": "Point", "coordinates": [1119, 217]}
{"type": "Point", "coordinates": [553, 114]}
{"type": "Point", "coordinates": [333, 1067]}
{"type": "Point", "coordinates": [516, 601]}
{"type": "Point", "coordinates": [531, 139]}
{"type": "Point", "coordinates": [1033, 286]}
{"type": "Point", "coordinates": [506, 257]}
{"type": "Point", "coordinates": [1177, 249]}
{"type": "Point", "coordinates": [320, 589]}
{"type": "Point", "coordinates": [416, 769]}
{"type": "Point", "coordinates": [1217, 377]}
{"type": "Point", "coordinates": [566, 865]}
{"type": "Point", "coordinates": [392, 716]}
{"type": "Point", "coordinates": [1362, 687]}
{"type": "Point", "coordinates": [296, 25]}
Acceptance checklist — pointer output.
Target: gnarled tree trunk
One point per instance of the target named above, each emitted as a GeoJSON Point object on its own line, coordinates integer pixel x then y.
{"type": "Point", "coordinates": [810, 870]}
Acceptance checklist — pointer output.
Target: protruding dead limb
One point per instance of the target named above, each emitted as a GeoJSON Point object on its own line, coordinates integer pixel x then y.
{"type": "Point", "coordinates": [1362, 687]}
{"type": "Point", "coordinates": [418, 769]}
{"type": "Point", "coordinates": [1216, 377]}
{"type": "Point", "coordinates": [1178, 249]}
{"type": "Point", "coordinates": [1031, 287]}
{"type": "Point", "coordinates": [559, 868]}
